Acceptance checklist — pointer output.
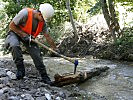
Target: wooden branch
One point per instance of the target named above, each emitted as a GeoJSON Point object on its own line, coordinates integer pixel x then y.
{"type": "Point", "coordinates": [79, 77]}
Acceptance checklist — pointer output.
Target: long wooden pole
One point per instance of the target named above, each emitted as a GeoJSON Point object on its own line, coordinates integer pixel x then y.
{"type": "Point", "coordinates": [44, 46]}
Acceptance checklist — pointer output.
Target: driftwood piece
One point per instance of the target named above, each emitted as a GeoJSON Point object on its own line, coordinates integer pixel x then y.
{"type": "Point", "coordinates": [79, 77]}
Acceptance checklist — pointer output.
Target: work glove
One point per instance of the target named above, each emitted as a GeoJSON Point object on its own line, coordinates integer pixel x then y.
{"type": "Point", "coordinates": [26, 38]}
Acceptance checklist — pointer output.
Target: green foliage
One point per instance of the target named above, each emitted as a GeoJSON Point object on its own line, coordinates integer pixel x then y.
{"type": "Point", "coordinates": [124, 0]}
{"type": "Point", "coordinates": [56, 32]}
{"type": "Point", "coordinates": [127, 38]}
{"type": "Point", "coordinates": [128, 3]}
{"type": "Point", "coordinates": [13, 7]}
{"type": "Point", "coordinates": [82, 7]}
{"type": "Point", "coordinates": [4, 23]}
{"type": "Point", "coordinates": [96, 8]}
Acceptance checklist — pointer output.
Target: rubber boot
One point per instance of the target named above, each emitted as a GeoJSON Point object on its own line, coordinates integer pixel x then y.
{"type": "Point", "coordinates": [44, 75]}
{"type": "Point", "coordinates": [20, 72]}
{"type": "Point", "coordinates": [46, 79]}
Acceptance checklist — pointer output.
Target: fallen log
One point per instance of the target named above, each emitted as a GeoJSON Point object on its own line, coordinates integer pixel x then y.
{"type": "Point", "coordinates": [79, 77]}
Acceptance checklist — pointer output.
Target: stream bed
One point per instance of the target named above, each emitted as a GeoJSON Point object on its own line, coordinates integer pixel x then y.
{"type": "Point", "coordinates": [114, 84]}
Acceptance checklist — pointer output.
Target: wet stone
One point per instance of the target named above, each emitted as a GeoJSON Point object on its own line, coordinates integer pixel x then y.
{"type": "Point", "coordinates": [11, 75]}
{"type": "Point", "coordinates": [4, 80]}
{"type": "Point", "coordinates": [4, 96]}
{"type": "Point", "coordinates": [48, 96]}
{"type": "Point", "coordinates": [9, 84]}
{"type": "Point", "coordinates": [2, 85]}
{"type": "Point", "coordinates": [42, 89]}
{"type": "Point", "coordinates": [57, 98]}
{"type": "Point", "coordinates": [27, 97]}
{"type": "Point", "coordinates": [31, 91]}
{"type": "Point", "coordinates": [13, 98]}
{"type": "Point", "coordinates": [37, 94]}
{"type": "Point", "coordinates": [41, 98]}
{"type": "Point", "coordinates": [2, 72]}
{"type": "Point", "coordinates": [75, 95]}
{"type": "Point", "coordinates": [61, 94]}
{"type": "Point", "coordinates": [1, 92]}
{"type": "Point", "coordinates": [10, 91]}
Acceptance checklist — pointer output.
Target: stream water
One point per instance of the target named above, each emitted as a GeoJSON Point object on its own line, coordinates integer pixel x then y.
{"type": "Point", "coordinates": [115, 84]}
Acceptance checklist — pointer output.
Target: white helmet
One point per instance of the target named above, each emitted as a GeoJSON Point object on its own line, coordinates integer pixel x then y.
{"type": "Point", "coordinates": [47, 10]}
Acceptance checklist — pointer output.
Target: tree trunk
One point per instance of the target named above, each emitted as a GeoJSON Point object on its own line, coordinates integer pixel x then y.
{"type": "Point", "coordinates": [108, 18]}
{"type": "Point", "coordinates": [106, 12]}
{"type": "Point", "coordinates": [71, 19]}
{"type": "Point", "coordinates": [114, 19]}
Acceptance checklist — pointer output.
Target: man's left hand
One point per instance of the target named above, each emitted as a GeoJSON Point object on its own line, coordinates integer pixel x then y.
{"type": "Point", "coordinates": [26, 38]}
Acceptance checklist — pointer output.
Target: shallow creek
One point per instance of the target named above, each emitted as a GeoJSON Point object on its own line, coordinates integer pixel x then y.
{"type": "Point", "coordinates": [115, 84]}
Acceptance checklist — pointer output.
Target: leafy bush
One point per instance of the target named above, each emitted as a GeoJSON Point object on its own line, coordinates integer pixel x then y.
{"type": "Point", "coordinates": [127, 37]}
